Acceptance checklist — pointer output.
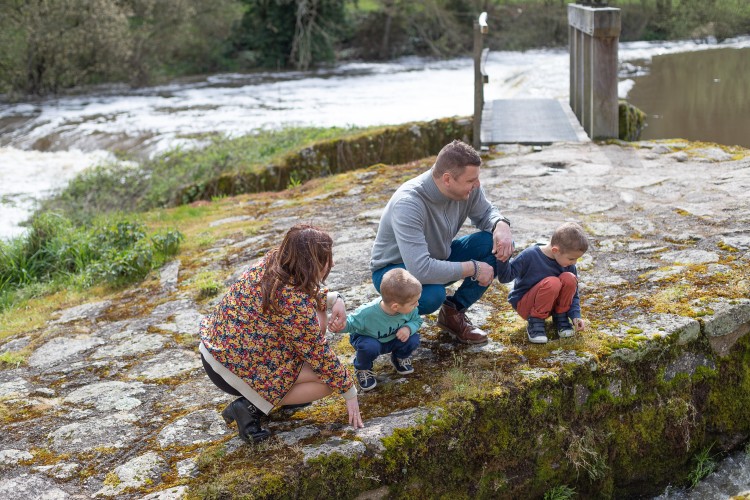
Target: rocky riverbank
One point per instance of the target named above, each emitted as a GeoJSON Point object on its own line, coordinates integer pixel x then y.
{"type": "Point", "coordinates": [108, 398]}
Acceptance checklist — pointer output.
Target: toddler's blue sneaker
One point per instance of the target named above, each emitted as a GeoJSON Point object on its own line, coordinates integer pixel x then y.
{"type": "Point", "coordinates": [562, 323]}
{"type": "Point", "coordinates": [535, 331]}
{"type": "Point", "coordinates": [366, 379]}
{"type": "Point", "coordinates": [403, 366]}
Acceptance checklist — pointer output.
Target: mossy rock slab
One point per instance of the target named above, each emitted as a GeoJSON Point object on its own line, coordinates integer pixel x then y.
{"type": "Point", "coordinates": [620, 410]}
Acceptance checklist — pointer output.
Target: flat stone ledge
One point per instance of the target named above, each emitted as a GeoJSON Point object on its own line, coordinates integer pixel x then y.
{"type": "Point", "coordinates": [13, 456]}
{"type": "Point", "coordinates": [116, 431]}
{"type": "Point", "coordinates": [108, 396]}
{"type": "Point", "coordinates": [201, 426]}
{"type": "Point", "coordinates": [26, 486]}
{"type": "Point", "coordinates": [62, 349]}
{"type": "Point", "coordinates": [344, 447]}
{"type": "Point", "coordinates": [728, 316]}
{"type": "Point", "coordinates": [18, 386]}
{"type": "Point", "coordinates": [145, 469]}
{"type": "Point", "coordinates": [85, 311]}
{"type": "Point", "coordinates": [293, 437]}
{"type": "Point", "coordinates": [377, 429]}
{"type": "Point", "coordinates": [166, 364]}
{"type": "Point", "coordinates": [176, 493]}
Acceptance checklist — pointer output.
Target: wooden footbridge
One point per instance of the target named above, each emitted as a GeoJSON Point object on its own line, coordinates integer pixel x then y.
{"type": "Point", "coordinates": [592, 109]}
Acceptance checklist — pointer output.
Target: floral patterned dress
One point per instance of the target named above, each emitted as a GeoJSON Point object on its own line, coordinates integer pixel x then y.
{"type": "Point", "coordinates": [266, 351]}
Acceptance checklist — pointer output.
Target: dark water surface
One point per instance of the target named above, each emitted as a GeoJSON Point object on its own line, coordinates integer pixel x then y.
{"type": "Point", "coordinates": [703, 95]}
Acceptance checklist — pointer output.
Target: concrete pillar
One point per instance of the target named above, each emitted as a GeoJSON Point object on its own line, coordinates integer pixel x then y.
{"type": "Point", "coordinates": [594, 34]}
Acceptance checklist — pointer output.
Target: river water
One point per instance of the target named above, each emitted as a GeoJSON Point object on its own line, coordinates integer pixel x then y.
{"type": "Point", "coordinates": [43, 144]}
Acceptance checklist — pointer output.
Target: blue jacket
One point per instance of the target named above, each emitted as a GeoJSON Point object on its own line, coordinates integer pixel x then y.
{"type": "Point", "coordinates": [529, 268]}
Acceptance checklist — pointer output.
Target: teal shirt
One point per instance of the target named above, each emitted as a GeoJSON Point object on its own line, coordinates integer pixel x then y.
{"type": "Point", "coordinates": [370, 319]}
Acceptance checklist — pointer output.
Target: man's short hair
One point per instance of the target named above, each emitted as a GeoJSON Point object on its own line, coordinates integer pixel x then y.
{"type": "Point", "coordinates": [570, 237]}
{"type": "Point", "coordinates": [454, 158]}
{"type": "Point", "coordinates": [399, 286]}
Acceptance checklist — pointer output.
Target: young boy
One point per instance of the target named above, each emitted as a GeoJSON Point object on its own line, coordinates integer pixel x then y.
{"type": "Point", "coordinates": [388, 324]}
{"type": "Point", "coordinates": [546, 282]}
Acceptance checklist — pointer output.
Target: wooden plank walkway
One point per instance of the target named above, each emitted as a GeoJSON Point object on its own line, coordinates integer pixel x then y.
{"type": "Point", "coordinates": [529, 121]}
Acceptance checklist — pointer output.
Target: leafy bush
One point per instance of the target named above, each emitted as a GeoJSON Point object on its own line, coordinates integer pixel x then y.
{"type": "Point", "coordinates": [55, 252]}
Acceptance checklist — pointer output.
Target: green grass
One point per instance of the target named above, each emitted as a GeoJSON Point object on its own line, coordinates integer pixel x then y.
{"type": "Point", "coordinates": [704, 465]}
{"type": "Point", "coordinates": [55, 254]}
{"type": "Point", "coordinates": [562, 492]}
{"type": "Point", "coordinates": [208, 284]}
{"type": "Point", "coordinates": [128, 187]}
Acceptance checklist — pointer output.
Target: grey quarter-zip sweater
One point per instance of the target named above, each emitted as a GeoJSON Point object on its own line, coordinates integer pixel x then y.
{"type": "Point", "coordinates": [418, 225]}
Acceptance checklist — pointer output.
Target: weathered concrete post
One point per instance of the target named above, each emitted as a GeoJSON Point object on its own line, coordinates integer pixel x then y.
{"type": "Point", "coordinates": [480, 77]}
{"type": "Point", "coordinates": [594, 34]}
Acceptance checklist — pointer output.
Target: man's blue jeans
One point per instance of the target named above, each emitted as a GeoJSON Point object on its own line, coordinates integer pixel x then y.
{"type": "Point", "coordinates": [476, 246]}
{"type": "Point", "coordinates": [369, 348]}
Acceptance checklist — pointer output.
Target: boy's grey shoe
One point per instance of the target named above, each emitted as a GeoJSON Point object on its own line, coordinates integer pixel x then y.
{"type": "Point", "coordinates": [366, 379]}
{"type": "Point", "coordinates": [535, 331]}
{"type": "Point", "coordinates": [562, 323]}
{"type": "Point", "coordinates": [403, 366]}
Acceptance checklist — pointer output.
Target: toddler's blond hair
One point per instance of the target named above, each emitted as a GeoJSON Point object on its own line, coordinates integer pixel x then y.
{"type": "Point", "coordinates": [399, 286]}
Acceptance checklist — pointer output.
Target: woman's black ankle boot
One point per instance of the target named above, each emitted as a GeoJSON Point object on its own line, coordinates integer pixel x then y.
{"type": "Point", "coordinates": [247, 417]}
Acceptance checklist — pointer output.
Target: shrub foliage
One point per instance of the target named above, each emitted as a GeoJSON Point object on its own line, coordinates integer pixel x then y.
{"type": "Point", "coordinates": [52, 45]}
{"type": "Point", "coordinates": [56, 253]}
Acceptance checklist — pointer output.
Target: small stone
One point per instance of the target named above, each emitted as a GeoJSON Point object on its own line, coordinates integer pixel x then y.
{"type": "Point", "coordinates": [187, 467]}
{"type": "Point", "coordinates": [44, 392]}
{"type": "Point", "coordinates": [168, 275]}
{"type": "Point", "coordinates": [681, 156]}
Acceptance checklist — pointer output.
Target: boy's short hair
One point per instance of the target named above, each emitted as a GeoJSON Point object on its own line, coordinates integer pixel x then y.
{"type": "Point", "coordinates": [399, 286]}
{"type": "Point", "coordinates": [454, 158]}
{"type": "Point", "coordinates": [570, 237]}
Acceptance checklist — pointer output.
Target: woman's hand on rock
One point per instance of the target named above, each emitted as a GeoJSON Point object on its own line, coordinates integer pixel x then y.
{"type": "Point", "coordinates": [355, 419]}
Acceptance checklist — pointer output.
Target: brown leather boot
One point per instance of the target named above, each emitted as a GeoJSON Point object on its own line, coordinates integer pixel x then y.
{"type": "Point", "coordinates": [456, 323]}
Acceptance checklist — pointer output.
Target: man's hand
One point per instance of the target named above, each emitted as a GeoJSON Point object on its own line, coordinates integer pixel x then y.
{"type": "Point", "coordinates": [486, 274]}
{"type": "Point", "coordinates": [502, 241]}
{"type": "Point", "coordinates": [579, 323]}
{"type": "Point", "coordinates": [403, 333]}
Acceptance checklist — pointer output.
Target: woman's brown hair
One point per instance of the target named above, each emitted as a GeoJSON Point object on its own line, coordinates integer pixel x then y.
{"type": "Point", "coordinates": [303, 260]}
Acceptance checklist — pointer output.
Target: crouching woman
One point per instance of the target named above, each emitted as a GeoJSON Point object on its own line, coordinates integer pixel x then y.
{"type": "Point", "coordinates": [265, 341]}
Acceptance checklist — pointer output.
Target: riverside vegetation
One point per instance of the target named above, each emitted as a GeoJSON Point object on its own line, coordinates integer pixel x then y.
{"type": "Point", "coordinates": [89, 234]}
{"type": "Point", "coordinates": [656, 388]}
{"type": "Point", "coordinates": [59, 45]}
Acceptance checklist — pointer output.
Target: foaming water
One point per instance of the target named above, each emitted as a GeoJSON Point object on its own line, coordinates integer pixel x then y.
{"type": "Point", "coordinates": [30, 175]}
{"type": "Point", "coordinates": [147, 121]}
